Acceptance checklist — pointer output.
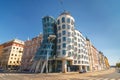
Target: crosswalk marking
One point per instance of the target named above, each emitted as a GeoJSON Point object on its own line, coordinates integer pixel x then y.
{"type": "Point", "coordinates": [92, 78]}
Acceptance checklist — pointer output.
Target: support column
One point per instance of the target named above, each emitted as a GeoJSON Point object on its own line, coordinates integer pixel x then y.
{"type": "Point", "coordinates": [80, 68]}
{"type": "Point", "coordinates": [64, 66]}
{"type": "Point", "coordinates": [86, 68]}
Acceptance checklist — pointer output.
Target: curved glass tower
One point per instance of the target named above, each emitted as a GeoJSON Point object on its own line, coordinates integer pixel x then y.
{"type": "Point", "coordinates": [47, 49]}
{"type": "Point", "coordinates": [48, 29]}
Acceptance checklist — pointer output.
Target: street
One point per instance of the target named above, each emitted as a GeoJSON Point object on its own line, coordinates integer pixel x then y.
{"type": "Point", "coordinates": [110, 74]}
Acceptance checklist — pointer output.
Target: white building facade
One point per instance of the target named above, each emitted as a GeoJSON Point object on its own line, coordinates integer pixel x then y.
{"type": "Point", "coordinates": [71, 45]}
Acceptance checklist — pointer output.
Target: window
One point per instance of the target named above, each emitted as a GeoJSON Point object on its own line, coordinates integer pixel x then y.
{"type": "Point", "coordinates": [78, 45]}
{"type": "Point", "coordinates": [69, 47]}
{"type": "Point", "coordinates": [75, 38]}
{"type": "Point", "coordinates": [59, 46]}
{"type": "Point", "coordinates": [11, 57]}
{"type": "Point", "coordinates": [79, 50]}
{"type": "Point", "coordinates": [75, 43]}
{"type": "Point", "coordinates": [58, 22]}
{"type": "Point", "coordinates": [47, 19]}
{"type": "Point", "coordinates": [17, 61]}
{"type": "Point", "coordinates": [68, 20]}
{"type": "Point", "coordinates": [78, 40]}
{"type": "Point", "coordinates": [15, 54]}
{"type": "Point", "coordinates": [59, 28]}
{"type": "Point", "coordinates": [12, 54]}
{"type": "Point", "coordinates": [59, 40]}
{"type": "Point", "coordinates": [13, 47]}
{"type": "Point", "coordinates": [75, 49]}
{"type": "Point", "coordinates": [64, 52]}
{"type": "Point", "coordinates": [69, 40]}
{"type": "Point", "coordinates": [64, 45]}
{"type": "Point", "coordinates": [74, 33]}
{"type": "Point", "coordinates": [69, 54]}
{"type": "Point", "coordinates": [69, 34]}
{"type": "Point", "coordinates": [68, 26]}
{"type": "Point", "coordinates": [63, 32]}
{"type": "Point", "coordinates": [63, 19]}
{"type": "Point", "coordinates": [63, 26]}
{"type": "Point", "coordinates": [64, 38]}
{"type": "Point", "coordinates": [75, 62]}
{"type": "Point", "coordinates": [59, 35]}
{"type": "Point", "coordinates": [78, 62]}
{"type": "Point", "coordinates": [72, 22]}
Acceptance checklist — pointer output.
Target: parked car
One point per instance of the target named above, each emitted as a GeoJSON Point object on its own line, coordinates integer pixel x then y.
{"type": "Point", "coordinates": [1, 70]}
{"type": "Point", "coordinates": [82, 71]}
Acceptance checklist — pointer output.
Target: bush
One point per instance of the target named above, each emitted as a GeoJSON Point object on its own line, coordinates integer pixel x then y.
{"type": "Point", "coordinates": [118, 65]}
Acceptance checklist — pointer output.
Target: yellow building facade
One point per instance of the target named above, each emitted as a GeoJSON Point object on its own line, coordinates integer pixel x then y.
{"type": "Point", "coordinates": [11, 53]}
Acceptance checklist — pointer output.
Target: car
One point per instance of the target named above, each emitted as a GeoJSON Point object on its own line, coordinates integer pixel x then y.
{"type": "Point", "coordinates": [1, 70]}
{"type": "Point", "coordinates": [82, 71]}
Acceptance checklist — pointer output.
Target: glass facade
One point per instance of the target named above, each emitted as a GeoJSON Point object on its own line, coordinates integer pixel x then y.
{"type": "Point", "coordinates": [47, 47]}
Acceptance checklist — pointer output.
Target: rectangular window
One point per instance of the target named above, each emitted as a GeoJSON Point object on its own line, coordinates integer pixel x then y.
{"type": "Point", "coordinates": [59, 47]}
{"type": "Point", "coordinates": [68, 20]}
{"type": "Point", "coordinates": [68, 26]}
{"type": "Point", "coordinates": [63, 26]}
{"type": "Point", "coordinates": [63, 32]}
{"type": "Point", "coordinates": [59, 28]}
{"type": "Point", "coordinates": [69, 47]}
{"type": "Point", "coordinates": [72, 23]}
{"type": "Point", "coordinates": [64, 45]}
{"type": "Point", "coordinates": [69, 34]}
{"type": "Point", "coordinates": [69, 40]}
{"type": "Point", "coordinates": [69, 54]}
{"type": "Point", "coordinates": [59, 35]}
{"type": "Point", "coordinates": [63, 19]}
{"type": "Point", "coordinates": [64, 38]}
{"type": "Point", "coordinates": [64, 52]}
{"type": "Point", "coordinates": [59, 40]}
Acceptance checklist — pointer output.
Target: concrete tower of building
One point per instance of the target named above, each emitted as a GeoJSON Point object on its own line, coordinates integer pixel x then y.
{"type": "Point", "coordinates": [65, 38]}
{"type": "Point", "coordinates": [71, 45]}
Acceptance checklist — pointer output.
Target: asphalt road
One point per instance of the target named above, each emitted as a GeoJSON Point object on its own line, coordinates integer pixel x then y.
{"type": "Point", "coordinates": [110, 74]}
{"type": "Point", "coordinates": [113, 76]}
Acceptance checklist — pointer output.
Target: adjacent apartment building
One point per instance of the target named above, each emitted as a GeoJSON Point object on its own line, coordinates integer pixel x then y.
{"type": "Point", "coordinates": [30, 48]}
{"type": "Point", "coordinates": [11, 54]}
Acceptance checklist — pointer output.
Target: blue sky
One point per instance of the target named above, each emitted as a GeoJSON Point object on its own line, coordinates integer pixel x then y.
{"type": "Point", "coordinates": [96, 19]}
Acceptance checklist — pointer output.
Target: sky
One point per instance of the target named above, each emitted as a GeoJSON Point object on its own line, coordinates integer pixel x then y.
{"type": "Point", "coordinates": [99, 20]}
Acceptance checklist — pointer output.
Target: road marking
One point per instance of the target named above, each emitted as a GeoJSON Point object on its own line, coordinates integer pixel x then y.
{"type": "Point", "coordinates": [112, 79]}
{"type": "Point", "coordinates": [106, 79]}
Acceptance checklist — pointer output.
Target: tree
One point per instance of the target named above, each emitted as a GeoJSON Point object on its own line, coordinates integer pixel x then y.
{"type": "Point", "coordinates": [118, 65]}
